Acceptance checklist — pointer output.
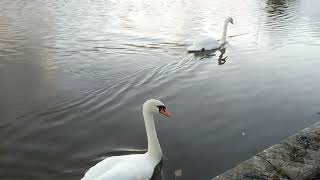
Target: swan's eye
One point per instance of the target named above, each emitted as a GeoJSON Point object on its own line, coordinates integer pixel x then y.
{"type": "Point", "coordinates": [161, 108]}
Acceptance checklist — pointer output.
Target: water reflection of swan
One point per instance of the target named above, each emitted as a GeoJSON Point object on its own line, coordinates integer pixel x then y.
{"type": "Point", "coordinates": [204, 42]}
{"type": "Point", "coordinates": [135, 166]}
{"type": "Point", "coordinates": [208, 54]}
{"type": "Point", "coordinates": [221, 59]}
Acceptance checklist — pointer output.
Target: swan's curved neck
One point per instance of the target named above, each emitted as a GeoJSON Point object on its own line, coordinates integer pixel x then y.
{"type": "Point", "coordinates": [154, 148]}
{"type": "Point", "coordinates": [224, 33]}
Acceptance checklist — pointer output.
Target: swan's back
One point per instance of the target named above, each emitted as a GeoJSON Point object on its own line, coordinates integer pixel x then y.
{"type": "Point", "coordinates": [129, 167]}
{"type": "Point", "coordinates": [126, 171]}
{"type": "Point", "coordinates": [204, 42]}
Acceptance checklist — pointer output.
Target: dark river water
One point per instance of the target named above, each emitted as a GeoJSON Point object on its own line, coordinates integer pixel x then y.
{"type": "Point", "coordinates": [74, 75]}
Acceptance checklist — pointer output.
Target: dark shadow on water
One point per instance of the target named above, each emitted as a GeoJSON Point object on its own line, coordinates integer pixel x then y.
{"type": "Point", "coordinates": [280, 17]}
{"type": "Point", "coordinates": [160, 174]}
{"type": "Point", "coordinates": [281, 9]}
{"type": "Point", "coordinates": [277, 2]}
{"type": "Point", "coordinates": [316, 177]}
{"type": "Point", "coordinates": [157, 173]}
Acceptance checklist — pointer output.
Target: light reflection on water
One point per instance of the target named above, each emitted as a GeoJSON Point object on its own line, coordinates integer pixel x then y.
{"type": "Point", "coordinates": [75, 74]}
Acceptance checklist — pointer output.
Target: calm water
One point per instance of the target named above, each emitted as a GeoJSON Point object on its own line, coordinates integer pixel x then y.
{"type": "Point", "coordinates": [74, 75]}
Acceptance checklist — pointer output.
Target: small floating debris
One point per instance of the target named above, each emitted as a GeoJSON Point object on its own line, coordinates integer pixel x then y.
{"type": "Point", "coordinates": [178, 172]}
{"type": "Point", "coordinates": [243, 134]}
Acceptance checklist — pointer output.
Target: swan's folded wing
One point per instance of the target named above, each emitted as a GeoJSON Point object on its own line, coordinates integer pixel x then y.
{"type": "Point", "coordinates": [127, 171]}
{"type": "Point", "coordinates": [101, 168]}
{"type": "Point", "coordinates": [204, 42]}
{"type": "Point", "coordinates": [127, 167]}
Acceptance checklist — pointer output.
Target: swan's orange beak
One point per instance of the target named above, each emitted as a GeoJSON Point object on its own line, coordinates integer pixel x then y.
{"type": "Point", "coordinates": [165, 112]}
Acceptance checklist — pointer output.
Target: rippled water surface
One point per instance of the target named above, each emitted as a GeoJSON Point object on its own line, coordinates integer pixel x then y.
{"type": "Point", "coordinates": [74, 75]}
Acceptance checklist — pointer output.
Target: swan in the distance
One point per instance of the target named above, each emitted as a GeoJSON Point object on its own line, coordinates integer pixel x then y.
{"type": "Point", "coordinates": [135, 166]}
{"type": "Point", "coordinates": [205, 43]}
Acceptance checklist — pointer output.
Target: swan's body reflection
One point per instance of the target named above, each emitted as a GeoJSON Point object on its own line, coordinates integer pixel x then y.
{"type": "Point", "coordinates": [211, 53]}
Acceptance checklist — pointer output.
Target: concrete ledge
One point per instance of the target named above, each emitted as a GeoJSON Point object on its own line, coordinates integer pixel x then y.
{"type": "Point", "coordinates": [296, 158]}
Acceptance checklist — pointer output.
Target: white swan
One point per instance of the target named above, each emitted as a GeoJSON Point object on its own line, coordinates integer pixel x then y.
{"type": "Point", "coordinates": [136, 166]}
{"type": "Point", "coordinates": [209, 43]}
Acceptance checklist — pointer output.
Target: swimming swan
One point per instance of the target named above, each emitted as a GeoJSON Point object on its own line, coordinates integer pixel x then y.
{"type": "Point", "coordinates": [209, 43]}
{"type": "Point", "coordinates": [135, 166]}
